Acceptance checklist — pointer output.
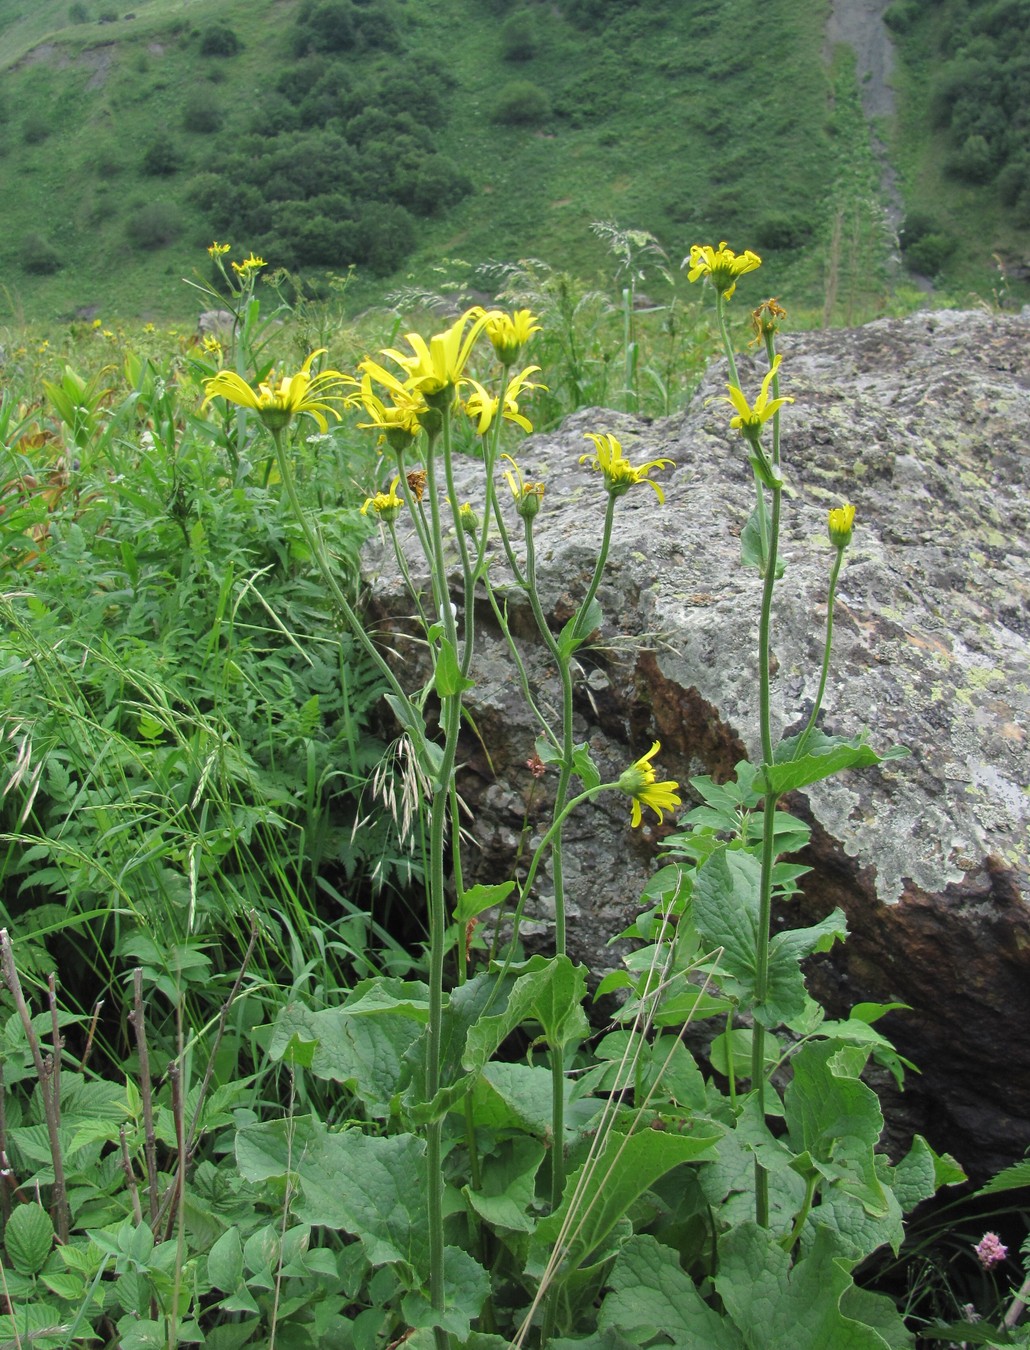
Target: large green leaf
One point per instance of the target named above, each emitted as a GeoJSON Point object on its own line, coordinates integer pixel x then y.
{"type": "Point", "coordinates": [361, 1046]}
{"type": "Point", "coordinates": [548, 991]}
{"type": "Point", "coordinates": [780, 1307]}
{"type": "Point", "coordinates": [507, 1190]}
{"type": "Point", "coordinates": [369, 1185]}
{"type": "Point", "coordinates": [725, 912]}
{"type": "Point", "coordinates": [29, 1238]}
{"type": "Point", "coordinates": [821, 757]}
{"type": "Point", "coordinates": [622, 1169]}
{"type": "Point", "coordinates": [650, 1295]}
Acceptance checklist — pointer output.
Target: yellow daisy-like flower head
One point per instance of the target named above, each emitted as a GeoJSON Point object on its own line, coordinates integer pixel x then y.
{"type": "Point", "coordinates": [528, 496]}
{"type": "Point", "coordinates": [276, 403]}
{"type": "Point", "coordinates": [217, 250]}
{"type": "Point", "coordinates": [482, 407]}
{"type": "Point", "coordinates": [249, 265]}
{"type": "Point", "coordinates": [841, 522]}
{"type": "Point", "coordinates": [509, 333]}
{"type": "Point", "coordinates": [398, 421]}
{"type": "Point", "coordinates": [721, 265]}
{"type": "Point", "coordinates": [386, 505]}
{"type": "Point", "coordinates": [639, 782]}
{"type": "Point", "coordinates": [435, 369]}
{"type": "Point", "coordinates": [750, 420]}
{"type": "Point", "coordinates": [619, 474]}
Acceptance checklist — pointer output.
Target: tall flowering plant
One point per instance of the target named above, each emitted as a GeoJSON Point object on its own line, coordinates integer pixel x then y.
{"type": "Point", "coordinates": [567, 1198]}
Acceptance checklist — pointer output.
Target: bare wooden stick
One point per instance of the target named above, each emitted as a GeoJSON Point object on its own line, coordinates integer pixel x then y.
{"type": "Point", "coordinates": [59, 1199]}
{"type": "Point", "coordinates": [6, 1176]}
{"type": "Point", "coordinates": [170, 1200]}
{"type": "Point", "coordinates": [58, 1042]}
{"type": "Point", "coordinates": [130, 1176]}
{"type": "Point", "coordinates": [91, 1034]}
{"type": "Point", "coordinates": [223, 1017]}
{"type": "Point", "coordinates": [136, 1017]}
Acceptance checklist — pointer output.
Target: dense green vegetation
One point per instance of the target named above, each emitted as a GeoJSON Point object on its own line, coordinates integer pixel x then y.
{"type": "Point", "coordinates": [963, 136]}
{"type": "Point", "coordinates": [272, 1073]}
{"type": "Point", "coordinates": [416, 141]}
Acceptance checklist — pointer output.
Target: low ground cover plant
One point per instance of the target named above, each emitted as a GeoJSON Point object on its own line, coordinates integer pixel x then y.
{"type": "Point", "coordinates": [292, 1128]}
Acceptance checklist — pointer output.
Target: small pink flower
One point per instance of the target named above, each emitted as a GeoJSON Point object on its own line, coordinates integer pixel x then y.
{"type": "Point", "coordinates": [990, 1250]}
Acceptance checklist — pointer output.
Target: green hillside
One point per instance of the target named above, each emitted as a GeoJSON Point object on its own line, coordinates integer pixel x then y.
{"type": "Point", "coordinates": [417, 138]}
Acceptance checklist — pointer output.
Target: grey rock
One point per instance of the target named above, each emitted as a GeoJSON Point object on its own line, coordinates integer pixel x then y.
{"type": "Point", "coordinates": [922, 424]}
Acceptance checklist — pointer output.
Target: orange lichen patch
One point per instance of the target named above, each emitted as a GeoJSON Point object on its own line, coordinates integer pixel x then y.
{"type": "Point", "coordinates": [928, 644]}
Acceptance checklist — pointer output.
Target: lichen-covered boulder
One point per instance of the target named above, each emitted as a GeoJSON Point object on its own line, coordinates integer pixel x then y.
{"type": "Point", "coordinates": [922, 424]}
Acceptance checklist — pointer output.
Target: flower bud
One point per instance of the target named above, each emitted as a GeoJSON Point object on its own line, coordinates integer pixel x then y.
{"type": "Point", "coordinates": [841, 520]}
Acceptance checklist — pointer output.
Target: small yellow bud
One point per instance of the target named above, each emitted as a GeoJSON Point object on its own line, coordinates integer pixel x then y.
{"type": "Point", "coordinates": [841, 520]}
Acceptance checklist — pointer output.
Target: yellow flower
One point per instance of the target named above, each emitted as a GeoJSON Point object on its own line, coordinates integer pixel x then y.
{"type": "Point", "coordinates": [399, 422]}
{"type": "Point", "coordinates": [619, 474]}
{"type": "Point", "coordinates": [276, 403]}
{"type": "Point", "coordinates": [248, 265]}
{"type": "Point", "coordinates": [722, 265]}
{"type": "Point", "coordinates": [482, 407]}
{"type": "Point", "coordinates": [638, 782]}
{"type": "Point", "coordinates": [434, 370]}
{"type": "Point", "coordinates": [509, 333]}
{"type": "Point", "coordinates": [217, 250]}
{"type": "Point", "coordinates": [841, 520]}
{"type": "Point", "coordinates": [528, 496]}
{"type": "Point", "coordinates": [386, 505]}
{"type": "Point", "coordinates": [749, 420]}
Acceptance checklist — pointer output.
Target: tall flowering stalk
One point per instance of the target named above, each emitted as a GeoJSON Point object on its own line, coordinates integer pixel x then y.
{"type": "Point", "coordinates": [722, 268]}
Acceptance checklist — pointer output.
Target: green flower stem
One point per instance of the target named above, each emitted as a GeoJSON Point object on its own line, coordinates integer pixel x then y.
{"type": "Point", "coordinates": [491, 445]}
{"type": "Point", "coordinates": [827, 645]}
{"type": "Point", "coordinates": [501, 615]}
{"type": "Point", "coordinates": [450, 722]}
{"type": "Point", "coordinates": [538, 854]}
{"type": "Point", "coordinates": [720, 310]}
{"type": "Point", "coordinates": [724, 332]}
{"type": "Point", "coordinates": [402, 564]}
{"type": "Point", "coordinates": [602, 558]}
{"type": "Point", "coordinates": [806, 1207]}
{"type": "Point", "coordinates": [770, 351]}
{"type": "Point", "coordinates": [415, 511]}
{"type": "Point", "coordinates": [318, 553]}
{"type": "Point", "coordinates": [730, 1071]}
{"type": "Point", "coordinates": [761, 992]}
{"type": "Point", "coordinates": [565, 763]}
{"type": "Point", "coordinates": [768, 855]}
{"type": "Point", "coordinates": [509, 552]}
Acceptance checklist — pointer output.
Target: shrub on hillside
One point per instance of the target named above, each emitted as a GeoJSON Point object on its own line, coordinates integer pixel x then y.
{"type": "Point", "coordinates": [925, 245]}
{"type": "Point", "coordinates": [520, 40]}
{"type": "Point", "coordinates": [781, 229]}
{"type": "Point", "coordinates": [39, 256]}
{"type": "Point", "coordinates": [219, 40]}
{"type": "Point", "coordinates": [161, 159]}
{"type": "Point", "coordinates": [972, 162]}
{"type": "Point", "coordinates": [384, 236]}
{"type": "Point", "coordinates": [154, 225]}
{"type": "Point", "coordinates": [521, 103]}
{"type": "Point", "coordinates": [1013, 181]}
{"type": "Point", "coordinates": [202, 113]}
{"type": "Point", "coordinates": [434, 185]}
